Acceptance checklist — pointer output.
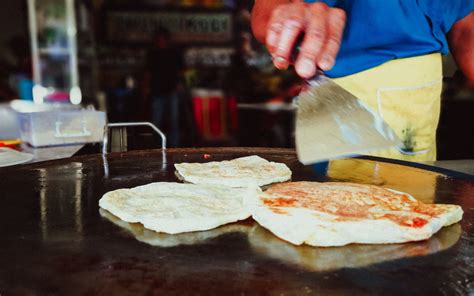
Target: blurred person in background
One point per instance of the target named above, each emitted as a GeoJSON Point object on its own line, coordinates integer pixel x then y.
{"type": "Point", "coordinates": [122, 100]}
{"type": "Point", "coordinates": [239, 79]}
{"type": "Point", "coordinates": [387, 53]}
{"type": "Point", "coordinates": [164, 83]}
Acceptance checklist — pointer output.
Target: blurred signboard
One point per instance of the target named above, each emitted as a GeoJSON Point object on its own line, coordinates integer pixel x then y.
{"type": "Point", "coordinates": [208, 56]}
{"type": "Point", "coordinates": [186, 27]}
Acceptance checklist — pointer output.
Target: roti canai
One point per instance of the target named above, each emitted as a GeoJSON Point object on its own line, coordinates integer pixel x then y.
{"type": "Point", "coordinates": [165, 240]}
{"type": "Point", "coordinates": [336, 214]}
{"type": "Point", "coordinates": [176, 208]}
{"type": "Point", "coordinates": [239, 172]}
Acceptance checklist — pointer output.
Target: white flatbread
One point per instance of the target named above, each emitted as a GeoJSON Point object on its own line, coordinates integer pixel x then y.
{"type": "Point", "coordinates": [239, 172]}
{"type": "Point", "coordinates": [165, 240]}
{"type": "Point", "coordinates": [176, 208]}
{"type": "Point", "coordinates": [337, 214]}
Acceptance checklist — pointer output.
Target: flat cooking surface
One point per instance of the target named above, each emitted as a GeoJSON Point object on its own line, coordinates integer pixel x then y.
{"type": "Point", "coordinates": [55, 241]}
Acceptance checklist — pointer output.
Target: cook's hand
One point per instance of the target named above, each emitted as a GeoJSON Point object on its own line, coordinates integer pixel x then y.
{"type": "Point", "coordinates": [323, 27]}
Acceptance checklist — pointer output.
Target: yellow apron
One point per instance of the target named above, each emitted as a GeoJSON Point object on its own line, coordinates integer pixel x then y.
{"type": "Point", "coordinates": [407, 94]}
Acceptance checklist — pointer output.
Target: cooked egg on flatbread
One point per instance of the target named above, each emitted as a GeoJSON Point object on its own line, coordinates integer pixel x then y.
{"type": "Point", "coordinates": [337, 214]}
{"type": "Point", "coordinates": [176, 208]}
{"type": "Point", "coordinates": [239, 172]}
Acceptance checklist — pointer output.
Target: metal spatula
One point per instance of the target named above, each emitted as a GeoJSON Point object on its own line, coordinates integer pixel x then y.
{"type": "Point", "coordinates": [331, 122]}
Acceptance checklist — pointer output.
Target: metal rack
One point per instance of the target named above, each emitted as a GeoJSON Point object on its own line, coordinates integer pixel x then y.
{"type": "Point", "coordinates": [110, 126]}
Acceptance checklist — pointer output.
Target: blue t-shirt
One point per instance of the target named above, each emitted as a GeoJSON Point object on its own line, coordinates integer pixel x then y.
{"type": "Point", "coordinates": [378, 31]}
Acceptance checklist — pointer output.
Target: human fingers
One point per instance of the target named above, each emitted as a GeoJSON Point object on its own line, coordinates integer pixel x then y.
{"type": "Point", "coordinates": [336, 23]}
{"type": "Point", "coordinates": [314, 40]}
{"type": "Point", "coordinates": [286, 24]}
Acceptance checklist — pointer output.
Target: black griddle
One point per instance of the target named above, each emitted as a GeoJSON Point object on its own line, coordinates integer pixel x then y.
{"type": "Point", "coordinates": [55, 241]}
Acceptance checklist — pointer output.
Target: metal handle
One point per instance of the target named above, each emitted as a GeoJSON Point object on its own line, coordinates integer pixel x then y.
{"type": "Point", "coordinates": [130, 124]}
{"type": "Point", "coordinates": [83, 133]}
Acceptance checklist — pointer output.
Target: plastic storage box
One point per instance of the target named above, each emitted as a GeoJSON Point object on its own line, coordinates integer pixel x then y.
{"type": "Point", "coordinates": [61, 127]}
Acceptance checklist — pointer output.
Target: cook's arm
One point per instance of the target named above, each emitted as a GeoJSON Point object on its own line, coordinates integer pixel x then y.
{"type": "Point", "coordinates": [461, 43]}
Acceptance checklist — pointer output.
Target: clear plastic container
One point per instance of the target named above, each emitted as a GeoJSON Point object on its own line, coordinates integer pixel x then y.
{"type": "Point", "coordinates": [61, 127]}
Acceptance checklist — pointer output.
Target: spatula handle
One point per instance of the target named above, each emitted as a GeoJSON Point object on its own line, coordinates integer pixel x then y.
{"type": "Point", "coordinates": [296, 49]}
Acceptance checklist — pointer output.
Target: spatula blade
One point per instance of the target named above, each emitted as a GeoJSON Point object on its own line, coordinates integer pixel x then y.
{"type": "Point", "coordinates": [331, 123]}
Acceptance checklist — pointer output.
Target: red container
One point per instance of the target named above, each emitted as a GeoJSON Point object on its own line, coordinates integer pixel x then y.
{"type": "Point", "coordinates": [215, 115]}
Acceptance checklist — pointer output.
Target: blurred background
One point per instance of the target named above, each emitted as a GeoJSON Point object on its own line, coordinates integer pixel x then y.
{"type": "Point", "coordinates": [191, 67]}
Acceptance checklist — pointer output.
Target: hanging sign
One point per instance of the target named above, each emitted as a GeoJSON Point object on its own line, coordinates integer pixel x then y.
{"type": "Point", "coordinates": [185, 27]}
